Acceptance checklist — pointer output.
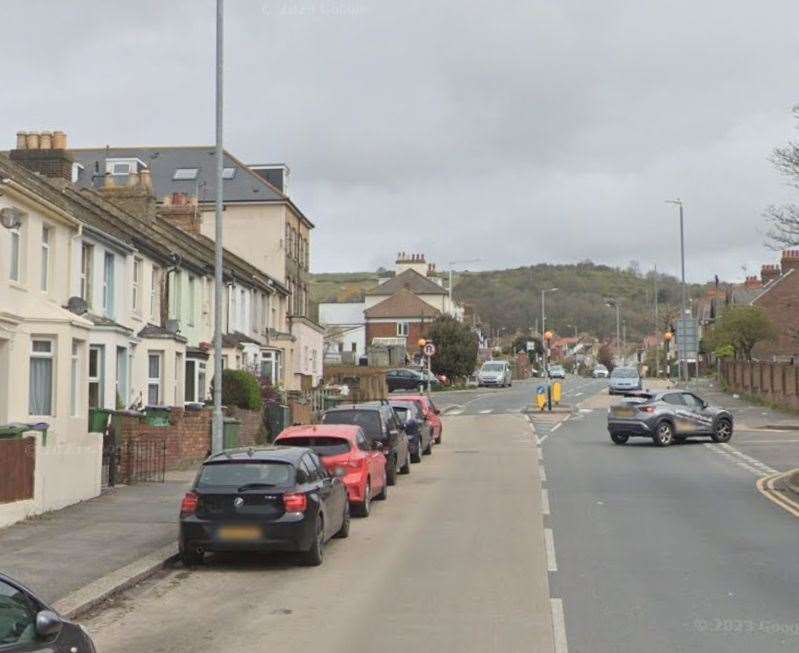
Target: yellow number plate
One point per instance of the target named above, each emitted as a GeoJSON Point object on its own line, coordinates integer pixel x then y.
{"type": "Point", "coordinates": [239, 533]}
{"type": "Point", "coordinates": [624, 412]}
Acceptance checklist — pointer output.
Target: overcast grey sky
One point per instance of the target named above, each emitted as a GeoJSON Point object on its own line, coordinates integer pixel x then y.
{"type": "Point", "coordinates": [514, 132]}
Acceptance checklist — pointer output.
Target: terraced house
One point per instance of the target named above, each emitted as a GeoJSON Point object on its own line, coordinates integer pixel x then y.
{"type": "Point", "coordinates": [262, 225]}
{"type": "Point", "coordinates": [106, 301]}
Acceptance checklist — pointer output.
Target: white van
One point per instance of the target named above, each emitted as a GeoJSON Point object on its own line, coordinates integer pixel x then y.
{"type": "Point", "coordinates": [496, 373]}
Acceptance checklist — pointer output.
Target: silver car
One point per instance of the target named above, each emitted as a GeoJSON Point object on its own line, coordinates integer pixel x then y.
{"type": "Point", "coordinates": [624, 379]}
{"type": "Point", "coordinates": [495, 373]}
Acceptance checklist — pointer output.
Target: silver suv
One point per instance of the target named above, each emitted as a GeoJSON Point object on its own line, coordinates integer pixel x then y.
{"type": "Point", "coordinates": [496, 373]}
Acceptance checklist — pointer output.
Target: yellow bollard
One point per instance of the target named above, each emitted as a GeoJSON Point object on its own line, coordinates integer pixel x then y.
{"type": "Point", "coordinates": [556, 392]}
{"type": "Point", "coordinates": [541, 400]}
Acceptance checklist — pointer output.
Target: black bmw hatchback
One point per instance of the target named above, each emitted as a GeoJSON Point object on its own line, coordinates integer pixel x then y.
{"type": "Point", "coordinates": [27, 624]}
{"type": "Point", "coordinates": [263, 499]}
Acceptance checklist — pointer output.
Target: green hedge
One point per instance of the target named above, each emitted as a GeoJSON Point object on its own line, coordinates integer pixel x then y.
{"type": "Point", "coordinates": [240, 388]}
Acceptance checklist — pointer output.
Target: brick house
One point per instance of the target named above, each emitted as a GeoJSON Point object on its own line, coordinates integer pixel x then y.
{"type": "Point", "coordinates": [779, 298]}
{"type": "Point", "coordinates": [402, 314]}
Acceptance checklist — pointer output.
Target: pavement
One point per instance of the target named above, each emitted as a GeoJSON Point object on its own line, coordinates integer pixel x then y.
{"type": "Point", "coordinates": [61, 553]}
{"type": "Point", "coordinates": [455, 560]}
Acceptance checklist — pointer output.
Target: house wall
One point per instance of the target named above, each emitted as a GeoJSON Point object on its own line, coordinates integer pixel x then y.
{"type": "Point", "coordinates": [439, 302]}
{"type": "Point", "coordinates": [388, 329]}
{"type": "Point", "coordinates": [781, 304]}
{"type": "Point", "coordinates": [308, 350]}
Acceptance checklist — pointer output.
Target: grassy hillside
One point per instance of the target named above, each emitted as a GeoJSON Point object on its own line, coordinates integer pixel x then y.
{"type": "Point", "coordinates": [511, 299]}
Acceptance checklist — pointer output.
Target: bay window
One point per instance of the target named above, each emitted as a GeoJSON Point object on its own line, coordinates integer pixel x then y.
{"type": "Point", "coordinates": [40, 386]}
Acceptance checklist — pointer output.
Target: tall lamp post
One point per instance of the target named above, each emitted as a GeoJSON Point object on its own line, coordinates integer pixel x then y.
{"type": "Point", "coordinates": [681, 342]}
{"type": "Point", "coordinates": [450, 264]}
{"type": "Point", "coordinates": [544, 328]}
{"type": "Point", "coordinates": [613, 302]}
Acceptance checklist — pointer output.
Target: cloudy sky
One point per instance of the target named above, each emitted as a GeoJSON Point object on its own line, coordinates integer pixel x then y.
{"type": "Point", "coordinates": [513, 132]}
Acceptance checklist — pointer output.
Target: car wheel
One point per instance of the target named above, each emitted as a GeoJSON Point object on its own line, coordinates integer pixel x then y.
{"type": "Point", "coordinates": [664, 434]}
{"type": "Point", "coordinates": [619, 438]}
{"type": "Point", "coordinates": [417, 457]}
{"type": "Point", "coordinates": [191, 557]}
{"type": "Point", "coordinates": [344, 531]}
{"type": "Point", "coordinates": [723, 431]}
{"type": "Point", "coordinates": [364, 508]}
{"type": "Point", "coordinates": [391, 470]}
{"type": "Point", "coordinates": [384, 492]}
{"type": "Point", "coordinates": [314, 556]}
{"type": "Point", "coordinates": [406, 468]}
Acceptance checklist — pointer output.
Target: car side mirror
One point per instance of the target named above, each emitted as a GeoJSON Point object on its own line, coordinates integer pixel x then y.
{"type": "Point", "coordinates": [48, 624]}
{"type": "Point", "coordinates": [302, 477]}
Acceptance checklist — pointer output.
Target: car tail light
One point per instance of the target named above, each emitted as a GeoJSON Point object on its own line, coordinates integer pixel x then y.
{"type": "Point", "coordinates": [189, 504]}
{"type": "Point", "coordinates": [295, 502]}
{"type": "Point", "coordinates": [647, 409]}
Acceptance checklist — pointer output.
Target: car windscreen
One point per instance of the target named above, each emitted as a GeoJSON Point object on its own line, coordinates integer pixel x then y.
{"type": "Point", "coordinates": [493, 367]}
{"type": "Point", "coordinates": [624, 373]}
{"type": "Point", "coordinates": [237, 474]}
{"type": "Point", "coordinates": [368, 420]}
{"type": "Point", "coordinates": [322, 445]}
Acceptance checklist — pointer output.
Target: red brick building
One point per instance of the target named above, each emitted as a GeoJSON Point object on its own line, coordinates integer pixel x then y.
{"type": "Point", "coordinates": [779, 298]}
{"type": "Point", "coordinates": [402, 314]}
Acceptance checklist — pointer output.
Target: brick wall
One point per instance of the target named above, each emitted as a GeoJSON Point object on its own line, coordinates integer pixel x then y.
{"type": "Point", "coordinates": [780, 304]}
{"type": "Point", "coordinates": [252, 429]}
{"type": "Point", "coordinates": [776, 383]}
{"type": "Point", "coordinates": [416, 330]}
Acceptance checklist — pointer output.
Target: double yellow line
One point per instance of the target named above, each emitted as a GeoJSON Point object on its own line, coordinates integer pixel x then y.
{"type": "Point", "coordinates": [766, 487]}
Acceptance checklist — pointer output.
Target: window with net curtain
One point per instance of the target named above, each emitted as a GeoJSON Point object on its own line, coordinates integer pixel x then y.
{"type": "Point", "coordinates": [40, 390]}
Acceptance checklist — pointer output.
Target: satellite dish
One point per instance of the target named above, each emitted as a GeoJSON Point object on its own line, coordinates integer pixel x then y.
{"type": "Point", "coordinates": [77, 305]}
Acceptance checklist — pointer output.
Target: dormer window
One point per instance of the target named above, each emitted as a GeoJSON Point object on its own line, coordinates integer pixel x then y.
{"type": "Point", "coordinates": [123, 167]}
{"type": "Point", "coordinates": [228, 173]}
{"type": "Point", "coordinates": [185, 174]}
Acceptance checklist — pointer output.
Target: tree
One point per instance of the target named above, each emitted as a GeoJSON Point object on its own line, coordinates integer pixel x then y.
{"type": "Point", "coordinates": [456, 347]}
{"type": "Point", "coordinates": [784, 220]}
{"type": "Point", "coordinates": [741, 327]}
{"type": "Point", "coordinates": [605, 357]}
{"type": "Point", "coordinates": [520, 344]}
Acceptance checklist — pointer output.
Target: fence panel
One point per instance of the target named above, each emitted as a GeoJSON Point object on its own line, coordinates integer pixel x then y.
{"type": "Point", "coordinates": [17, 469]}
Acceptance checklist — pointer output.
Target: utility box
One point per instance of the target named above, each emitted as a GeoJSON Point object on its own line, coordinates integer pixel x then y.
{"type": "Point", "coordinates": [231, 431]}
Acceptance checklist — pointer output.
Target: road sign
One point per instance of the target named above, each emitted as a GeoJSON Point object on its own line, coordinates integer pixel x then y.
{"type": "Point", "coordinates": [687, 339]}
{"type": "Point", "coordinates": [429, 349]}
{"type": "Point", "coordinates": [530, 345]}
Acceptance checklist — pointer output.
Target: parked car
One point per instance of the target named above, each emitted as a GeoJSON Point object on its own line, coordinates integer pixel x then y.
{"type": "Point", "coordinates": [435, 381]}
{"type": "Point", "coordinates": [404, 379]}
{"type": "Point", "coordinates": [624, 379]}
{"type": "Point", "coordinates": [263, 499]}
{"type": "Point", "coordinates": [28, 624]}
{"type": "Point", "coordinates": [600, 372]}
{"type": "Point", "coordinates": [382, 427]}
{"type": "Point", "coordinates": [495, 373]}
{"type": "Point", "coordinates": [668, 417]}
{"type": "Point", "coordinates": [345, 452]}
{"type": "Point", "coordinates": [557, 372]}
{"type": "Point", "coordinates": [419, 430]}
{"type": "Point", "coordinates": [430, 412]}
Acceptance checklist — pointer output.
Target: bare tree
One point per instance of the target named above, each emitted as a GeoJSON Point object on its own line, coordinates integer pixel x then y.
{"type": "Point", "coordinates": [784, 219]}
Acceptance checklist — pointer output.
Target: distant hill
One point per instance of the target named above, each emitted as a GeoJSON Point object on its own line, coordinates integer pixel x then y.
{"type": "Point", "coordinates": [511, 299]}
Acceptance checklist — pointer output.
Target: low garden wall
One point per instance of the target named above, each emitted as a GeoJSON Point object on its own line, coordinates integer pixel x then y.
{"type": "Point", "coordinates": [774, 383]}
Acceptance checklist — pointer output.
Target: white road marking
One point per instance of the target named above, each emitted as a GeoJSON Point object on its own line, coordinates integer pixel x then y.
{"type": "Point", "coordinates": [486, 411]}
{"type": "Point", "coordinates": [455, 412]}
{"type": "Point", "coordinates": [541, 441]}
{"type": "Point", "coordinates": [545, 501]}
{"type": "Point", "coordinates": [578, 394]}
{"type": "Point", "coordinates": [732, 455]}
{"type": "Point", "coordinates": [558, 626]}
{"type": "Point", "coordinates": [768, 441]}
{"type": "Point", "coordinates": [549, 543]}
{"type": "Point", "coordinates": [586, 410]}
{"type": "Point", "coordinates": [557, 426]}
{"type": "Point", "coordinates": [542, 473]}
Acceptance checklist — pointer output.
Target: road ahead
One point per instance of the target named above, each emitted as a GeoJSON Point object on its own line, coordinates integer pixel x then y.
{"type": "Point", "coordinates": [499, 544]}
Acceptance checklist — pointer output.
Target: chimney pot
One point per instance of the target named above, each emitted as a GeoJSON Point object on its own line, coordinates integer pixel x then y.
{"type": "Point", "coordinates": [133, 179]}
{"type": "Point", "coordinates": [45, 141]}
{"type": "Point", "coordinates": [146, 179]}
{"type": "Point", "coordinates": [59, 140]}
{"type": "Point", "coordinates": [108, 181]}
{"type": "Point", "coordinates": [32, 141]}
{"type": "Point", "coordinates": [22, 140]}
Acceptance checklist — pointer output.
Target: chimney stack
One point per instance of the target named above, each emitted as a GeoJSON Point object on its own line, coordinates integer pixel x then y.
{"type": "Point", "coordinates": [769, 272]}
{"type": "Point", "coordinates": [44, 153]}
{"type": "Point", "coordinates": [182, 211]}
{"type": "Point", "coordinates": [790, 260]}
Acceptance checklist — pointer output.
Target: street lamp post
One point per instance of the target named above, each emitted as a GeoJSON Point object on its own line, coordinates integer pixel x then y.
{"type": "Point", "coordinates": [544, 291]}
{"type": "Point", "coordinates": [450, 264]}
{"type": "Point", "coordinates": [614, 303]}
{"type": "Point", "coordinates": [681, 342]}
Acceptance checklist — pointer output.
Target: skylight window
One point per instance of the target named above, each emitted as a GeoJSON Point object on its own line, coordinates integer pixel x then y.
{"type": "Point", "coordinates": [185, 173]}
{"type": "Point", "coordinates": [228, 173]}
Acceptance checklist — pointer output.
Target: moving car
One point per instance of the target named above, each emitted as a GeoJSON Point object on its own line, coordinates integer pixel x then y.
{"type": "Point", "coordinates": [345, 452]}
{"type": "Point", "coordinates": [382, 427]}
{"type": "Point", "coordinates": [496, 373]}
{"type": "Point", "coordinates": [624, 379]}
{"type": "Point", "coordinates": [27, 624]}
{"type": "Point", "coordinates": [600, 372]}
{"type": "Point", "coordinates": [667, 417]}
{"type": "Point", "coordinates": [430, 412]}
{"type": "Point", "coordinates": [418, 429]}
{"type": "Point", "coordinates": [404, 379]}
{"type": "Point", "coordinates": [557, 372]}
{"type": "Point", "coordinates": [263, 499]}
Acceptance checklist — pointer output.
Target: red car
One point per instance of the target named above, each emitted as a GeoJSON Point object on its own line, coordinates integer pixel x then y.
{"type": "Point", "coordinates": [431, 413]}
{"type": "Point", "coordinates": [345, 452]}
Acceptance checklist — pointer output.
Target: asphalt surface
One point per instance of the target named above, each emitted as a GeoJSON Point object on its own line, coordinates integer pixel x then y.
{"type": "Point", "coordinates": [454, 560]}
{"type": "Point", "coordinates": [523, 532]}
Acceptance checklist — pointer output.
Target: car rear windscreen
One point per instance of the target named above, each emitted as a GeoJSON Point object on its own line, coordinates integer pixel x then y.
{"type": "Point", "coordinates": [368, 420]}
{"type": "Point", "coordinates": [624, 373]}
{"type": "Point", "coordinates": [322, 445]}
{"type": "Point", "coordinates": [236, 474]}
